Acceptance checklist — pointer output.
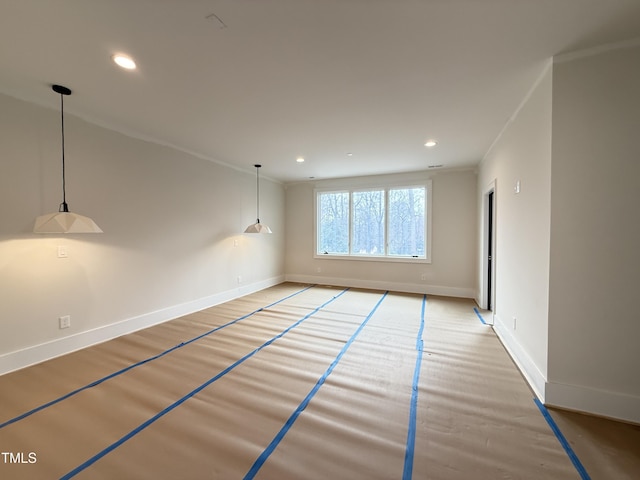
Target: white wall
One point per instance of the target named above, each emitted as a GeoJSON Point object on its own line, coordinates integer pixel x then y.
{"type": "Point", "coordinates": [452, 271]}
{"type": "Point", "coordinates": [594, 318]}
{"type": "Point", "coordinates": [567, 244]}
{"type": "Point", "coordinates": [171, 221]}
{"type": "Point", "coordinates": [522, 153]}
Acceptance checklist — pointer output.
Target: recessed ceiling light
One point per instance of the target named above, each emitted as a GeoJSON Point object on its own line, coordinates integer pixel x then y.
{"type": "Point", "coordinates": [300, 160]}
{"type": "Point", "coordinates": [430, 143]}
{"type": "Point", "coordinates": [124, 61]}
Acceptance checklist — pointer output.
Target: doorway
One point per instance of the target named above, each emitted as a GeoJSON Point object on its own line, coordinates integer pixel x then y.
{"type": "Point", "coordinates": [490, 250]}
{"type": "Point", "coordinates": [488, 282]}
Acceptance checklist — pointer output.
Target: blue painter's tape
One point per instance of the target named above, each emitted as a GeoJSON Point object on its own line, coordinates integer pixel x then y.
{"type": "Point", "coordinates": [563, 441]}
{"type": "Point", "coordinates": [289, 423]}
{"type": "Point", "coordinates": [142, 362]}
{"type": "Point", "coordinates": [195, 391]}
{"type": "Point", "coordinates": [407, 471]}
{"type": "Point", "coordinates": [479, 316]}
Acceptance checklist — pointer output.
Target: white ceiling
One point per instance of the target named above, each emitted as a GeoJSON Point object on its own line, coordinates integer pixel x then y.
{"type": "Point", "coordinates": [265, 81]}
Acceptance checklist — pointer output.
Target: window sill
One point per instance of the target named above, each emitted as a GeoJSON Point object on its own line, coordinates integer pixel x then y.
{"type": "Point", "coordinates": [371, 258]}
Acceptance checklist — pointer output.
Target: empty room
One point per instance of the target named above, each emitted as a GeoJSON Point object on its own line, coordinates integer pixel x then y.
{"type": "Point", "coordinates": [304, 239]}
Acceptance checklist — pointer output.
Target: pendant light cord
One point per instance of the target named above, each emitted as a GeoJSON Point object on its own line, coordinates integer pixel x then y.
{"type": "Point", "coordinates": [63, 206]}
{"type": "Point", "coordinates": [258, 193]}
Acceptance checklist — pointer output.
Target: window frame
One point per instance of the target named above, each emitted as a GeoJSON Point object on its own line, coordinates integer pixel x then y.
{"type": "Point", "coordinates": [427, 258]}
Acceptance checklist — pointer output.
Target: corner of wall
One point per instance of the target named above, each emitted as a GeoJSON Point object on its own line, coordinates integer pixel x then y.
{"type": "Point", "coordinates": [604, 403]}
{"type": "Point", "coordinates": [532, 374]}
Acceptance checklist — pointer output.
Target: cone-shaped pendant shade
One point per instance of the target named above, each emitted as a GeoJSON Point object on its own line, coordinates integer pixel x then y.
{"type": "Point", "coordinates": [64, 221]}
{"type": "Point", "coordinates": [257, 227]}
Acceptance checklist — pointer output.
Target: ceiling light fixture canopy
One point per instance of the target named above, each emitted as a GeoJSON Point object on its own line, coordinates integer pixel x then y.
{"type": "Point", "coordinates": [257, 227]}
{"type": "Point", "coordinates": [64, 221]}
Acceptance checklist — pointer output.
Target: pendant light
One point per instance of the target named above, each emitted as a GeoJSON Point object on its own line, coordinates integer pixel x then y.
{"type": "Point", "coordinates": [64, 221]}
{"type": "Point", "coordinates": [257, 227]}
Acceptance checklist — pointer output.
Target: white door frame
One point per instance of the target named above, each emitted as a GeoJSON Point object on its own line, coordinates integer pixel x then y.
{"type": "Point", "coordinates": [484, 286]}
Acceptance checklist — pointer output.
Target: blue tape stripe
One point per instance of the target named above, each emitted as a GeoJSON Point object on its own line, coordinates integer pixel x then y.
{"type": "Point", "coordinates": [142, 362]}
{"type": "Point", "coordinates": [407, 472]}
{"type": "Point", "coordinates": [479, 316]}
{"type": "Point", "coordinates": [289, 423]}
{"type": "Point", "coordinates": [563, 441]}
{"type": "Point", "coordinates": [195, 391]}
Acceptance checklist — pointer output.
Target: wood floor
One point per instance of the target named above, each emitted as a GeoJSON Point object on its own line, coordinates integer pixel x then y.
{"type": "Point", "coordinates": [301, 382]}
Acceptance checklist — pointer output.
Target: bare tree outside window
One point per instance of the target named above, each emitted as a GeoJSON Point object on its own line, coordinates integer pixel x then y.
{"type": "Point", "coordinates": [333, 224]}
{"type": "Point", "coordinates": [368, 223]}
{"type": "Point", "coordinates": [406, 221]}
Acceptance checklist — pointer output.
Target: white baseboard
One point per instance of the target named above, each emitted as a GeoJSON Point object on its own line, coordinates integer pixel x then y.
{"type": "Point", "coordinates": [603, 403]}
{"type": "Point", "coordinates": [614, 405]}
{"type": "Point", "coordinates": [383, 285]}
{"type": "Point", "coordinates": [532, 374]}
{"type": "Point", "coordinates": [39, 353]}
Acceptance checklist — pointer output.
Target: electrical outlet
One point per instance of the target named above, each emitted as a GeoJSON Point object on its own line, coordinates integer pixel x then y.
{"type": "Point", "coordinates": [239, 278]}
{"type": "Point", "coordinates": [65, 321]}
{"type": "Point", "coordinates": [515, 322]}
{"type": "Point", "coordinates": [423, 277]}
{"type": "Point", "coordinates": [319, 270]}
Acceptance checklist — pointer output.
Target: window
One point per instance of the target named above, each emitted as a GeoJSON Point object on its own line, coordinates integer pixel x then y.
{"type": "Point", "coordinates": [333, 220]}
{"type": "Point", "coordinates": [406, 222]}
{"type": "Point", "coordinates": [368, 223]}
{"type": "Point", "coordinates": [388, 223]}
